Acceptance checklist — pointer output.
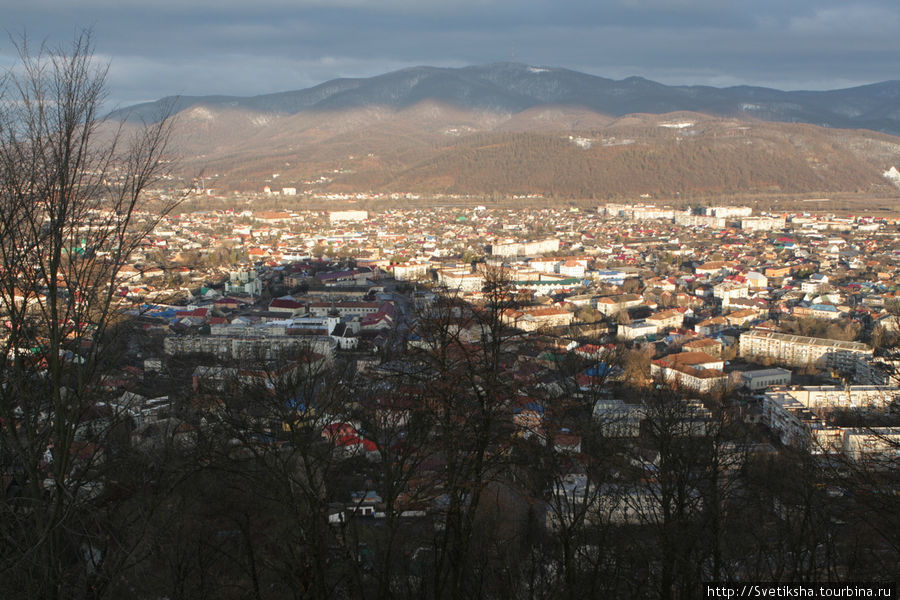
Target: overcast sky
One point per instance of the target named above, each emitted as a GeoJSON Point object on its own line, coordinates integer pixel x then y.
{"type": "Point", "coordinates": [246, 47]}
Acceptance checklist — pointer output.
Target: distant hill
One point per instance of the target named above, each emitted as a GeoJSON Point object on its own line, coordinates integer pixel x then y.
{"type": "Point", "coordinates": [514, 129]}
{"type": "Point", "coordinates": [513, 87]}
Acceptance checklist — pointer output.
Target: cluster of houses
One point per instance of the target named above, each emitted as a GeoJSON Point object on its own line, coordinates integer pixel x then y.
{"type": "Point", "coordinates": [718, 296]}
{"type": "Point", "coordinates": [714, 299]}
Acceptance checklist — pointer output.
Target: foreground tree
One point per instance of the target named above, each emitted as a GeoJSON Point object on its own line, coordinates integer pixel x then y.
{"type": "Point", "coordinates": [70, 197]}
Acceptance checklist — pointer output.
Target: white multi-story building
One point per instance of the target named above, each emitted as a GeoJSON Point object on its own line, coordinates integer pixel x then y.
{"type": "Point", "coordinates": [410, 271]}
{"type": "Point", "coordinates": [796, 423]}
{"type": "Point", "coordinates": [729, 211]}
{"type": "Point", "coordinates": [828, 397]}
{"type": "Point", "coordinates": [762, 223]}
{"type": "Point", "coordinates": [756, 280]}
{"type": "Point", "coordinates": [244, 281]}
{"type": "Point", "coordinates": [461, 279]}
{"type": "Point", "coordinates": [799, 351]}
{"type": "Point", "coordinates": [545, 265]}
{"type": "Point", "coordinates": [730, 290]}
{"type": "Point", "coordinates": [814, 284]}
{"type": "Point", "coordinates": [249, 348]}
{"type": "Point", "coordinates": [616, 418]}
{"type": "Point", "coordinates": [525, 248]}
{"type": "Point", "coordinates": [879, 446]}
{"type": "Point", "coordinates": [643, 213]}
{"type": "Point", "coordinates": [639, 212]}
{"type": "Point", "coordinates": [533, 319]}
{"type": "Point", "coordinates": [877, 371]}
{"type": "Point", "coordinates": [788, 418]}
{"type": "Point", "coordinates": [336, 216]}
{"type": "Point", "coordinates": [572, 268]}
{"type": "Point", "coordinates": [689, 219]}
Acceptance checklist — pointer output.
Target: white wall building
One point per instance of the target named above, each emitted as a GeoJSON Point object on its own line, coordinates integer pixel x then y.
{"type": "Point", "coordinates": [799, 351]}
{"type": "Point", "coordinates": [337, 216]}
{"type": "Point", "coordinates": [762, 223]}
{"type": "Point", "coordinates": [763, 378]}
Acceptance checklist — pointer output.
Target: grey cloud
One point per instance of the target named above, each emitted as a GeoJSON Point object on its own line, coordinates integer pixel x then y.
{"type": "Point", "coordinates": [239, 47]}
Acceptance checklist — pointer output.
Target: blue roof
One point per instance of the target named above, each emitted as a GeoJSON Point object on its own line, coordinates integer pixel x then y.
{"type": "Point", "coordinates": [532, 406]}
{"type": "Point", "coordinates": [601, 369]}
{"type": "Point", "coordinates": [825, 307]}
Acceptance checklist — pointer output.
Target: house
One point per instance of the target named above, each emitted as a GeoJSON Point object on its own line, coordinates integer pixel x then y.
{"type": "Point", "coordinates": [739, 318]}
{"type": "Point", "coordinates": [713, 268]}
{"type": "Point", "coordinates": [528, 416]}
{"type": "Point", "coordinates": [730, 290]}
{"type": "Point", "coordinates": [692, 370]}
{"type": "Point", "coordinates": [461, 279]}
{"type": "Point", "coordinates": [815, 283]}
{"type": "Point", "coordinates": [347, 441]}
{"type": "Point", "coordinates": [756, 280]}
{"type": "Point", "coordinates": [667, 319]}
{"type": "Point", "coordinates": [532, 319]}
{"type": "Point", "coordinates": [712, 326]}
{"type": "Point", "coordinates": [637, 329]}
{"type": "Point", "coordinates": [707, 345]}
{"type": "Point", "coordinates": [777, 272]}
{"type": "Point", "coordinates": [287, 304]}
{"type": "Point", "coordinates": [612, 305]}
{"type": "Point", "coordinates": [572, 268]}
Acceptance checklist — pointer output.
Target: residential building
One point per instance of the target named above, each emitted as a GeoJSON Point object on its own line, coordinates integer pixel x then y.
{"type": "Point", "coordinates": [525, 248]}
{"type": "Point", "coordinates": [637, 329]}
{"type": "Point", "coordinates": [612, 305]}
{"type": "Point", "coordinates": [617, 418]}
{"type": "Point", "coordinates": [762, 223]}
{"type": "Point", "coordinates": [337, 216]}
{"type": "Point", "coordinates": [799, 351]}
{"type": "Point", "coordinates": [696, 371]}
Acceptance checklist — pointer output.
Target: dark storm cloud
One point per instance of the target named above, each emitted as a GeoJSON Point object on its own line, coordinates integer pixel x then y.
{"type": "Point", "coordinates": [240, 47]}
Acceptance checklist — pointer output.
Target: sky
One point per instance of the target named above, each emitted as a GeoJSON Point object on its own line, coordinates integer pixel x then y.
{"type": "Point", "coordinates": [248, 47]}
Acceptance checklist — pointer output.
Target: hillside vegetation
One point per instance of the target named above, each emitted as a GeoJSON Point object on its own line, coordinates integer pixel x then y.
{"type": "Point", "coordinates": [436, 148]}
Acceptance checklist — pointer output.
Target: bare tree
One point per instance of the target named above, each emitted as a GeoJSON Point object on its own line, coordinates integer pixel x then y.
{"type": "Point", "coordinates": [71, 199]}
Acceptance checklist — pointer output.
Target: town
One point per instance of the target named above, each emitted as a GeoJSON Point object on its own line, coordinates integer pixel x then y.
{"type": "Point", "coordinates": [582, 370]}
{"type": "Point", "coordinates": [431, 301]}
{"type": "Point", "coordinates": [715, 298]}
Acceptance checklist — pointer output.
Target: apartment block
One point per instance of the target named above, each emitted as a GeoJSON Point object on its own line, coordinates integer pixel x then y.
{"type": "Point", "coordinates": [799, 351]}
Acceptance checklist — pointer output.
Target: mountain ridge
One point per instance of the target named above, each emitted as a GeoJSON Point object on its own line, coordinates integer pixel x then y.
{"type": "Point", "coordinates": [516, 129]}
{"type": "Point", "coordinates": [515, 87]}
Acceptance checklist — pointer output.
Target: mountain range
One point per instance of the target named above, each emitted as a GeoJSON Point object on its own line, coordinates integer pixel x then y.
{"type": "Point", "coordinates": [514, 128]}
{"type": "Point", "coordinates": [513, 87]}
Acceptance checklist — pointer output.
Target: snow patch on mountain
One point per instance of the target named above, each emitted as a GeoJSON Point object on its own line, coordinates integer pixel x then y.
{"type": "Point", "coordinates": [202, 113]}
{"type": "Point", "coordinates": [893, 175]}
{"type": "Point", "coordinates": [677, 125]}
